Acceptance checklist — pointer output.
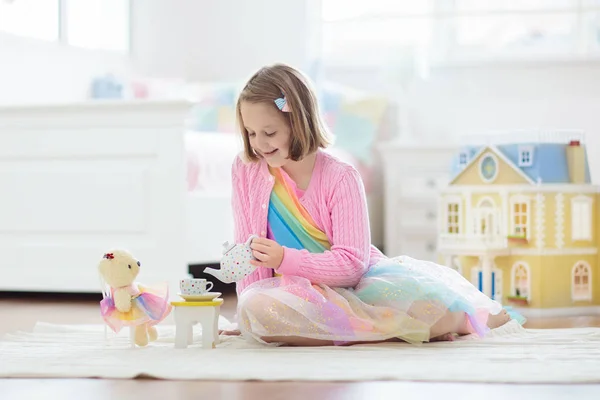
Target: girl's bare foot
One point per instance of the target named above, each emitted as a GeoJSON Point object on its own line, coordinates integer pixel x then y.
{"type": "Point", "coordinates": [235, 332]}
{"type": "Point", "coordinates": [495, 321]}
{"type": "Point", "coordinates": [448, 337]}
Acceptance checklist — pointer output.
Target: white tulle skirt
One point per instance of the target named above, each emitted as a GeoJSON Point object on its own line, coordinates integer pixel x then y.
{"type": "Point", "coordinates": [397, 298]}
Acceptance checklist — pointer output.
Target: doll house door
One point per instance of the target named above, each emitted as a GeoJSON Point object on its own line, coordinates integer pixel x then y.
{"type": "Point", "coordinates": [486, 221]}
{"type": "Point", "coordinates": [496, 282]}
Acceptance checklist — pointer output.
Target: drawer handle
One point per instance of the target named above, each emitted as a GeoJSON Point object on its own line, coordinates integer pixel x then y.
{"type": "Point", "coordinates": [430, 246]}
{"type": "Point", "coordinates": [430, 183]}
{"type": "Point", "coordinates": [430, 215]}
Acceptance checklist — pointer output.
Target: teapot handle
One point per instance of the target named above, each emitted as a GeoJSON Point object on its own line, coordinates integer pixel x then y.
{"type": "Point", "coordinates": [249, 241]}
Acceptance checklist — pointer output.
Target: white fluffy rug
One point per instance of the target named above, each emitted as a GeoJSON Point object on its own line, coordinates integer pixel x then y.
{"type": "Point", "coordinates": [509, 354]}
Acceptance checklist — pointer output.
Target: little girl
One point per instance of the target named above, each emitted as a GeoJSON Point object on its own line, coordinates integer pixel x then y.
{"type": "Point", "coordinates": [319, 280]}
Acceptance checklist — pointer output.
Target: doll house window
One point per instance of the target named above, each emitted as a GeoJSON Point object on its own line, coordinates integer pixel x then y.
{"type": "Point", "coordinates": [525, 156]}
{"type": "Point", "coordinates": [581, 218]}
{"type": "Point", "coordinates": [485, 217]}
{"type": "Point", "coordinates": [520, 280]}
{"type": "Point", "coordinates": [520, 216]}
{"type": "Point", "coordinates": [453, 217]}
{"type": "Point", "coordinates": [582, 282]}
{"type": "Point", "coordinates": [463, 159]}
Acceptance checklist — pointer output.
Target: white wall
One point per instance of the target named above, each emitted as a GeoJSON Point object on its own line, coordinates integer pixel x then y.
{"type": "Point", "coordinates": [221, 39]}
{"type": "Point", "coordinates": [175, 39]}
{"type": "Point", "coordinates": [45, 72]}
{"type": "Point", "coordinates": [476, 99]}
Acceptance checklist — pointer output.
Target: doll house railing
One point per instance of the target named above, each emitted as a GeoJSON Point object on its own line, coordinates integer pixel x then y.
{"type": "Point", "coordinates": [473, 242]}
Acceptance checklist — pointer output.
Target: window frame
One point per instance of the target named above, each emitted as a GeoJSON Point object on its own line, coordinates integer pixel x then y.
{"type": "Point", "coordinates": [513, 279]}
{"type": "Point", "coordinates": [62, 30]}
{"type": "Point", "coordinates": [463, 159]}
{"type": "Point", "coordinates": [575, 295]}
{"type": "Point", "coordinates": [448, 201]}
{"type": "Point", "coordinates": [520, 199]}
{"type": "Point", "coordinates": [584, 231]}
{"type": "Point", "coordinates": [530, 151]}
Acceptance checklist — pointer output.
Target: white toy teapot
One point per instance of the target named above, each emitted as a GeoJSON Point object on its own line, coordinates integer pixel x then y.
{"type": "Point", "coordinates": [235, 263]}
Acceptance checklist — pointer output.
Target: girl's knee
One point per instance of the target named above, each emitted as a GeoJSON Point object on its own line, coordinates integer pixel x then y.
{"type": "Point", "coordinates": [257, 310]}
{"type": "Point", "coordinates": [254, 304]}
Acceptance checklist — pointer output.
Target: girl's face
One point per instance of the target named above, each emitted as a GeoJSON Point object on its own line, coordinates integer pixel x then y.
{"type": "Point", "coordinates": [268, 132]}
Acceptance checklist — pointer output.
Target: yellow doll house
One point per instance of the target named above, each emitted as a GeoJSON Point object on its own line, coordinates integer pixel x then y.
{"type": "Point", "coordinates": [520, 218]}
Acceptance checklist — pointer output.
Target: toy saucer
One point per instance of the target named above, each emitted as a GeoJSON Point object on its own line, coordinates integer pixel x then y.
{"type": "Point", "coordinates": [200, 297]}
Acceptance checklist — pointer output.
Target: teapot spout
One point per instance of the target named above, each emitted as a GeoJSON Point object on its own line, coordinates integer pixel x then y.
{"type": "Point", "coordinates": [216, 273]}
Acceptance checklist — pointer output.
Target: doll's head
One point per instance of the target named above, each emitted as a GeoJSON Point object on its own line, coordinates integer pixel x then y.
{"type": "Point", "coordinates": [118, 268]}
{"type": "Point", "coordinates": [279, 117]}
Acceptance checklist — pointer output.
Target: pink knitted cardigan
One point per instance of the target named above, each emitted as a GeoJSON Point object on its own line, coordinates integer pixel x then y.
{"type": "Point", "coordinates": [336, 200]}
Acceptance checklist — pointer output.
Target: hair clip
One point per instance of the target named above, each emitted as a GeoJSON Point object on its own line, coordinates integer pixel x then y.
{"type": "Point", "coordinates": [282, 104]}
{"type": "Point", "coordinates": [109, 256]}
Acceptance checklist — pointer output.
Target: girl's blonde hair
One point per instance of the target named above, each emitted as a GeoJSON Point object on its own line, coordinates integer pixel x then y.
{"type": "Point", "coordinates": [304, 118]}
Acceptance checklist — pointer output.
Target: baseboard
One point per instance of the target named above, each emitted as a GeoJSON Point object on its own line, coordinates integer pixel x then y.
{"type": "Point", "coordinates": [559, 312]}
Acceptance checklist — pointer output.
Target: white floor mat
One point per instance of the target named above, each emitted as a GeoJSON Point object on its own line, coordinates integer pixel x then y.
{"type": "Point", "coordinates": [509, 354]}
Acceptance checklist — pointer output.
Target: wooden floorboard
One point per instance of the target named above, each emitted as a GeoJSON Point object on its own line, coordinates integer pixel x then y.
{"type": "Point", "coordinates": [22, 311]}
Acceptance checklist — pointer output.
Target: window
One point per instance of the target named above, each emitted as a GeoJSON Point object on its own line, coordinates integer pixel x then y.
{"type": "Point", "coordinates": [437, 31]}
{"type": "Point", "coordinates": [463, 159]}
{"type": "Point", "coordinates": [98, 24]}
{"type": "Point", "coordinates": [38, 19]}
{"type": "Point", "coordinates": [93, 24]}
{"type": "Point", "coordinates": [525, 156]}
{"type": "Point", "coordinates": [519, 208]}
{"type": "Point", "coordinates": [520, 280]}
{"type": "Point", "coordinates": [488, 167]}
{"type": "Point", "coordinates": [581, 288]}
{"type": "Point", "coordinates": [581, 218]}
{"type": "Point", "coordinates": [453, 217]}
{"type": "Point", "coordinates": [485, 217]}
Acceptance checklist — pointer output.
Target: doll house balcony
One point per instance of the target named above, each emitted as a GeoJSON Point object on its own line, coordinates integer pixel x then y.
{"type": "Point", "coordinates": [474, 242]}
{"type": "Point", "coordinates": [486, 234]}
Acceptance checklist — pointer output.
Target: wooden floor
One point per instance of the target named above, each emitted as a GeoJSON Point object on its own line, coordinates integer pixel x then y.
{"type": "Point", "coordinates": [20, 312]}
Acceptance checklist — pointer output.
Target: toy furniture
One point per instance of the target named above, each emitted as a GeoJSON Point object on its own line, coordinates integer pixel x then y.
{"type": "Point", "coordinates": [519, 219]}
{"type": "Point", "coordinates": [189, 313]}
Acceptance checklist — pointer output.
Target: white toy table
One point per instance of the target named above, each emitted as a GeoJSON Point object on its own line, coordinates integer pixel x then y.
{"type": "Point", "coordinates": [189, 313]}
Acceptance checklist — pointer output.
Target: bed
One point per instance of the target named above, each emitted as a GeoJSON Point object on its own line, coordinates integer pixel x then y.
{"type": "Point", "coordinates": [78, 179]}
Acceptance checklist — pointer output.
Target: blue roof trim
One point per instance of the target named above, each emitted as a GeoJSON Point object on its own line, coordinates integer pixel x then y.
{"type": "Point", "coordinates": [549, 161]}
{"type": "Point", "coordinates": [455, 167]}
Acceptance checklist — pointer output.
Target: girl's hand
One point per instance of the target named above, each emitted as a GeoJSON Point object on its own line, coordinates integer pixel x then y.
{"type": "Point", "coordinates": [268, 253]}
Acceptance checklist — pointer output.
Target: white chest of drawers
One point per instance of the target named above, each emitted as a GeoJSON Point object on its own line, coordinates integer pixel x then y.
{"type": "Point", "coordinates": [413, 175]}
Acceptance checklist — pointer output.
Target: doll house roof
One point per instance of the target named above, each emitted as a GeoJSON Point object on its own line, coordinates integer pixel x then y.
{"type": "Point", "coordinates": [540, 162]}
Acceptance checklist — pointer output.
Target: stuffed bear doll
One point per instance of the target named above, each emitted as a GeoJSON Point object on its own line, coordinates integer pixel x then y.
{"type": "Point", "coordinates": [129, 303]}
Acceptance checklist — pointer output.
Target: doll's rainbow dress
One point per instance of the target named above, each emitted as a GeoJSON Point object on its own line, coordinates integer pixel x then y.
{"type": "Point", "coordinates": [149, 305]}
{"type": "Point", "coordinates": [399, 297]}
